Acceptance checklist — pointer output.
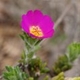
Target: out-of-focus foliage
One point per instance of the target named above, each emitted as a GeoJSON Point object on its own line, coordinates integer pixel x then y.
{"type": "Point", "coordinates": [65, 62]}
{"type": "Point", "coordinates": [46, 78]}
{"type": "Point", "coordinates": [34, 67]}
{"type": "Point", "coordinates": [59, 77]}
{"type": "Point", "coordinates": [15, 73]}
{"type": "Point", "coordinates": [37, 67]}
{"type": "Point", "coordinates": [73, 51]}
{"type": "Point", "coordinates": [76, 78]}
{"type": "Point", "coordinates": [62, 64]}
{"type": "Point", "coordinates": [62, 77]}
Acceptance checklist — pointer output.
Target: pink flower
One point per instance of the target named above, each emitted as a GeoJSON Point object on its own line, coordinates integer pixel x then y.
{"type": "Point", "coordinates": [37, 25]}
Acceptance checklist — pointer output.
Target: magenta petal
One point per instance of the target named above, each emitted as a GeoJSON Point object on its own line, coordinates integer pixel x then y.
{"type": "Point", "coordinates": [24, 28]}
{"type": "Point", "coordinates": [46, 24]}
{"type": "Point", "coordinates": [49, 34]}
{"type": "Point", "coordinates": [30, 17]}
{"type": "Point", "coordinates": [37, 17]}
{"type": "Point", "coordinates": [34, 17]}
{"type": "Point", "coordinates": [25, 24]}
{"type": "Point", "coordinates": [30, 13]}
{"type": "Point", "coordinates": [25, 20]}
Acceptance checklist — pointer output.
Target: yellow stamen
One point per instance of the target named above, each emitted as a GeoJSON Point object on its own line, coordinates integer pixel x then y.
{"type": "Point", "coordinates": [36, 31]}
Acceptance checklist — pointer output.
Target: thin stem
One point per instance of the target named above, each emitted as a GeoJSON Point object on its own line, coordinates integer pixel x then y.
{"type": "Point", "coordinates": [35, 42]}
{"type": "Point", "coordinates": [28, 43]}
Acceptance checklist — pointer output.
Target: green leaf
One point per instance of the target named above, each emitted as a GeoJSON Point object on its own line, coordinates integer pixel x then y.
{"type": "Point", "coordinates": [46, 78]}
{"type": "Point", "coordinates": [59, 77]}
{"type": "Point", "coordinates": [14, 73]}
{"type": "Point", "coordinates": [37, 66]}
{"type": "Point", "coordinates": [65, 61]}
{"type": "Point", "coordinates": [73, 51]}
{"type": "Point", "coordinates": [62, 64]}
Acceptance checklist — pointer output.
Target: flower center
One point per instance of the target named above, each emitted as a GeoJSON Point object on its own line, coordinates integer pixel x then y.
{"type": "Point", "coordinates": [36, 31]}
